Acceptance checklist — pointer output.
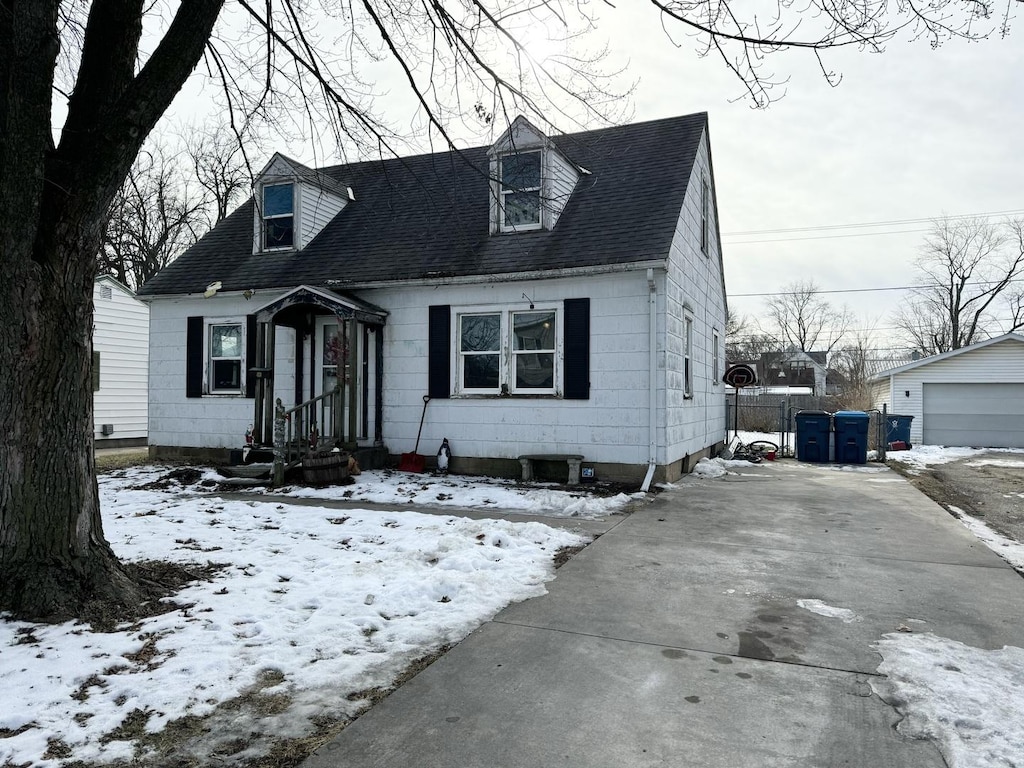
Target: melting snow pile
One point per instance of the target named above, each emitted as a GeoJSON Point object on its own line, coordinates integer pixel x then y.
{"type": "Point", "coordinates": [968, 700]}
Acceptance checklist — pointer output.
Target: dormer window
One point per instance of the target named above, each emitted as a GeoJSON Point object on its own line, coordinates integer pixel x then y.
{"type": "Point", "coordinates": [520, 191]}
{"type": "Point", "coordinates": [278, 216]}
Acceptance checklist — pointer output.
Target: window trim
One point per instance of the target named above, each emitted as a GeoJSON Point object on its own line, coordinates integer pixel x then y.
{"type": "Point", "coordinates": [716, 360]}
{"type": "Point", "coordinates": [209, 324]}
{"type": "Point", "coordinates": [264, 218]}
{"type": "Point", "coordinates": [461, 355]}
{"type": "Point", "coordinates": [503, 192]}
{"type": "Point", "coordinates": [687, 356]}
{"type": "Point", "coordinates": [506, 353]}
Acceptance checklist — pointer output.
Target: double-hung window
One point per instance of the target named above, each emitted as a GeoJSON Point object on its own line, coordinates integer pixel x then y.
{"type": "Point", "coordinates": [480, 352]}
{"type": "Point", "coordinates": [507, 352]}
{"type": "Point", "coordinates": [520, 191]}
{"type": "Point", "coordinates": [687, 356]}
{"type": "Point", "coordinates": [225, 358]}
{"type": "Point", "coordinates": [278, 216]}
{"type": "Point", "coordinates": [533, 350]}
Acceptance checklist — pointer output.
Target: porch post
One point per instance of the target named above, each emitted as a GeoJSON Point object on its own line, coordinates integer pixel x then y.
{"type": "Point", "coordinates": [269, 340]}
{"type": "Point", "coordinates": [378, 414]}
{"type": "Point", "coordinates": [351, 375]}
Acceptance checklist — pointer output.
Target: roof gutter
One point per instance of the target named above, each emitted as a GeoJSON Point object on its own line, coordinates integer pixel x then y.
{"type": "Point", "coordinates": [652, 380]}
{"type": "Point", "coordinates": [509, 277]}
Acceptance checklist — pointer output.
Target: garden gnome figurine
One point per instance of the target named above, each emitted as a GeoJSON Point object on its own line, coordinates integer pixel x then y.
{"type": "Point", "coordinates": [444, 453]}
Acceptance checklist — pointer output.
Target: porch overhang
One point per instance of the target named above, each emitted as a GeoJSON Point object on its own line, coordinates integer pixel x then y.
{"type": "Point", "coordinates": [280, 311]}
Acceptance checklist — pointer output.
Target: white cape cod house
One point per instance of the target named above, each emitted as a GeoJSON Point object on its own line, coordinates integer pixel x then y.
{"type": "Point", "coordinates": [549, 295]}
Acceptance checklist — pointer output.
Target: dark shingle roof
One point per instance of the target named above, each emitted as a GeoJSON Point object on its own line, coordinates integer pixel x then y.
{"type": "Point", "coordinates": [427, 216]}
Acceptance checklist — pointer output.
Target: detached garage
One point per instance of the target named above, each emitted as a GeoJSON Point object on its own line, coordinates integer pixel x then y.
{"type": "Point", "coordinates": [972, 396]}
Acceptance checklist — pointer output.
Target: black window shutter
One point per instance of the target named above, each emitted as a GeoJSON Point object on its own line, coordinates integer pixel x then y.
{"type": "Point", "coordinates": [576, 329]}
{"type": "Point", "coordinates": [250, 355]}
{"type": "Point", "coordinates": [439, 330]}
{"type": "Point", "coordinates": [194, 358]}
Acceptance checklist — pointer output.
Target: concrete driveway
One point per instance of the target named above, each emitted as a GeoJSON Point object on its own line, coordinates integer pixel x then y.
{"type": "Point", "coordinates": [676, 639]}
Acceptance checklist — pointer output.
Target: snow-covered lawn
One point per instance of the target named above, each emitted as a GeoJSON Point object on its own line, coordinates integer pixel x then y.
{"type": "Point", "coordinates": [313, 609]}
{"type": "Point", "coordinates": [391, 487]}
{"type": "Point", "coordinates": [923, 456]}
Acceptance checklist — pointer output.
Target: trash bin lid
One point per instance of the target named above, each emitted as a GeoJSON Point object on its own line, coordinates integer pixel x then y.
{"type": "Point", "coordinates": [811, 412]}
{"type": "Point", "coordinates": [852, 415]}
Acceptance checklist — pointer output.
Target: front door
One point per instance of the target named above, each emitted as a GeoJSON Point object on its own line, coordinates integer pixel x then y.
{"type": "Point", "coordinates": [329, 360]}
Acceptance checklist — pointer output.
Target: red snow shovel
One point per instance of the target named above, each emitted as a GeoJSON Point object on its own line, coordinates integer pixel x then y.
{"type": "Point", "coordinates": [413, 462]}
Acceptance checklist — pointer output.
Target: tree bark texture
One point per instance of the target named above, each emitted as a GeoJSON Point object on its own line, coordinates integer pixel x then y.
{"type": "Point", "coordinates": [54, 558]}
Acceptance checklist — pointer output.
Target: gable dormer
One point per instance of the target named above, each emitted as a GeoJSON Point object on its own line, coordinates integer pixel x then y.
{"type": "Point", "coordinates": [531, 180]}
{"type": "Point", "coordinates": [293, 203]}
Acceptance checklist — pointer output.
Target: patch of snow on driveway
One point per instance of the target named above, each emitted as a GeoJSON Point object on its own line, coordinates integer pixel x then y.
{"type": "Point", "coordinates": [968, 700]}
{"type": "Point", "coordinates": [823, 609]}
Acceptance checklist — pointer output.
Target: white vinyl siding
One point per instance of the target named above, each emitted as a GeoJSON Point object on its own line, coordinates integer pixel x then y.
{"type": "Point", "coordinates": [560, 179]}
{"type": "Point", "coordinates": [121, 338]}
{"type": "Point", "coordinates": [694, 287]}
{"type": "Point", "coordinates": [317, 208]}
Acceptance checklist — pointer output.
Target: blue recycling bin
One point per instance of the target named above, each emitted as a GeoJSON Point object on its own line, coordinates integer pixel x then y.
{"type": "Point", "coordinates": [897, 429]}
{"type": "Point", "coordinates": [813, 431]}
{"type": "Point", "coordinates": [851, 428]}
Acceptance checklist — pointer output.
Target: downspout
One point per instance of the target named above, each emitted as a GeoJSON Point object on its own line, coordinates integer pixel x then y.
{"type": "Point", "coordinates": [652, 380]}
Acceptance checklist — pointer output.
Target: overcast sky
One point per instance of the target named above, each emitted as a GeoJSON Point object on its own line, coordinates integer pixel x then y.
{"type": "Point", "coordinates": [909, 134]}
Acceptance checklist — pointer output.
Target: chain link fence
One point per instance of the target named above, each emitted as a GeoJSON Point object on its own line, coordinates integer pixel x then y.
{"type": "Point", "coordinates": [775, 415]}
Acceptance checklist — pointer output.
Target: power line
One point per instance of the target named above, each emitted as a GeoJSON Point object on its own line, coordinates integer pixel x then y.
{"type": "Point", "coordinates": [890, 223]}
{"type": "Point", "coordinates": [977, 283]}
{"type": "Point", "coordinates": [837, 290]}
{"type": "Point", "coordinates": [826, 237]}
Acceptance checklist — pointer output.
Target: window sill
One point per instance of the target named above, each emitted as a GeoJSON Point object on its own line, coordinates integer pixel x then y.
{"type": "Point", "coordinates": [522, 228]}
{"type": "Point", "coordinates": [509, 396]}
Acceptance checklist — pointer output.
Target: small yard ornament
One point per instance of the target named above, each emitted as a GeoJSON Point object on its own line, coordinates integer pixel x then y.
{"type": "Point", "coordinates": [444, 454]}
{"type": "Point", "coordinates": [249, 442]}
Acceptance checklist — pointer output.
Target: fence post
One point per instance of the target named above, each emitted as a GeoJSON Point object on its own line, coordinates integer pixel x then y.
{"type": "Point", "coordinates": [882, 445]}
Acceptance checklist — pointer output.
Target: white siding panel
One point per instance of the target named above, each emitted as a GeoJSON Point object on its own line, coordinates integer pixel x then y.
{"type": "Point", "coordinates": [609, 427]}
{"type": "Point", "coordinates": [121, 336]}
{"type": "Point", "coordinates": [561, 179]}
{"type": "Point", "coordinates": [316, 209]}
{"type": "Point", "coordinates": [694, 287]}
{"type": "Point", "coordinates": [213, 421]}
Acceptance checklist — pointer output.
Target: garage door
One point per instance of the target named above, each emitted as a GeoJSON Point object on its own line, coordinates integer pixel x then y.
{"type": "Point", "coordinates": [978, 415]}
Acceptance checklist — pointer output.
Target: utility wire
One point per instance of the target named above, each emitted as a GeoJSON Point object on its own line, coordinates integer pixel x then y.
{"type": "Point", "coordinates": [890, 223]}
{"type": "Point", "coordinates": [869, 290]}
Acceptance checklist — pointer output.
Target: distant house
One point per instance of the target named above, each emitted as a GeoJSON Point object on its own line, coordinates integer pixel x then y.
{"type": "Point", "coordinates": [784, 370]}
{"type": "Point", "coordinates": [973, 396]}
{"type": "Point", "coordinates": [548, 294]}
{"type": "Point", "coordinates": [120, 353]}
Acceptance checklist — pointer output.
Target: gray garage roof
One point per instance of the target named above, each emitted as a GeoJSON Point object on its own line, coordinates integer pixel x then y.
{"type": "Point", "coordinates": [945, 355]}
{"type": "Point", "coordinates": [427, 216]}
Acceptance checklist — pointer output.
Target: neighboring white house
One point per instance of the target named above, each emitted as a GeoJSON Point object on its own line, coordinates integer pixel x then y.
{"type": "Point", "coordinates": [120, 344]}
{"type": "Point", "coordinates": [973, 396]}
{"type": "Point", "coordinates": [550, 295]}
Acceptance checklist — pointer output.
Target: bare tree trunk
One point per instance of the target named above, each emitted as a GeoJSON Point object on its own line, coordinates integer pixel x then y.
{"type": "Point", "coordinates": [53, 556]}
{"type": "Point", "coordinates": [54, 559]}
